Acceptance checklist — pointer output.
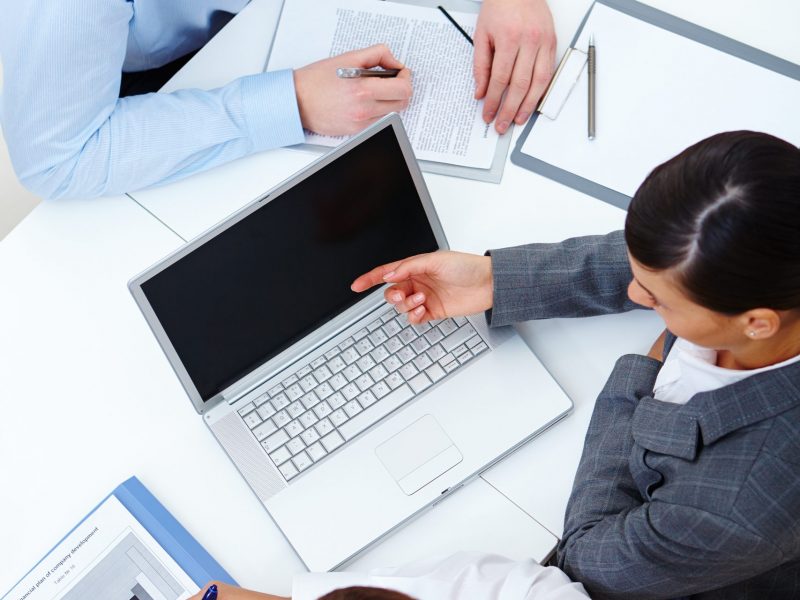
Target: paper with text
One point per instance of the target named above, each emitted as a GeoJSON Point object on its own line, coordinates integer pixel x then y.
{"type": "Point", "coordinates": [443, 120]}
{"type": "Point", "coordinates": [109, 556]}
{"type": "Point", "coordinates": [657, 93]}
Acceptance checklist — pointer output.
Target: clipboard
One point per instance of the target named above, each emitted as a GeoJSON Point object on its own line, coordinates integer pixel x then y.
{"type": "Point", "coordinates": [558, 170]}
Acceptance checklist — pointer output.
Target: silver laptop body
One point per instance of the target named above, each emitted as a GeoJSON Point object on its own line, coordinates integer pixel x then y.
{"type": "Point", "coordinates": [345, 421]}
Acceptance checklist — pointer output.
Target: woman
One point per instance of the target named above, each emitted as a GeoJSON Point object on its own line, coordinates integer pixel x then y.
{"type": "Point", "coordinates": [689, 483]}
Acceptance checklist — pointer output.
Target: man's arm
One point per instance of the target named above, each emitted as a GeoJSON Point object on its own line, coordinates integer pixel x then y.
{"type": "Point", "coordinates": [578, 277]}
{"type": "Point", "coordinates": [69, 133]}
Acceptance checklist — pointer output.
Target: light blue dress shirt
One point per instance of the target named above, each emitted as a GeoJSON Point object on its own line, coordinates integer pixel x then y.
{"type": "Point", "coordinates": [70, 134]}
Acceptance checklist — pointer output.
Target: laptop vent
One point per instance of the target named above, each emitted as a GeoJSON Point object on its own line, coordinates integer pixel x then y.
{"type": "Point", "coordinates": [248, 456]}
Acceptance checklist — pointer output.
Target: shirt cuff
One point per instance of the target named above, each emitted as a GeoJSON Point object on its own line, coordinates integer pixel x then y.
{"type": "Point", "coordinates": [269, 104]}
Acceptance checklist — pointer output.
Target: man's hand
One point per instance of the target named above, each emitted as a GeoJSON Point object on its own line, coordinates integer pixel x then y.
{"type": "Point", "coordinates": [515, 45]}
{"type": "Point", "coordinates": [434, 286]}
{"type": "Point", "coordinates": [657, 350]}
{"type": "Point", "coordinates": [230, 592]}
{"type": "Point", "coordinates": [333, 106]}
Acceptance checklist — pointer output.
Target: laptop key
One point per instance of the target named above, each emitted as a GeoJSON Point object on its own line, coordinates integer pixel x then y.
{"type": "Point", "coordinates": [420, 345]}
{"type": "Point", "coordinates": [480, 348]}
{"type": "Point", "coordinates": [336, 364]}
{"type": "Point", "coordinates": [377, 411]}
{"type": "Point", "coordinates": [392, 327]}
{"type": "Point", "coordinates": [308, 383]}
{"type": "Point", "coordinates": [364, 382]}
{"type": "Point", "coordinates": [408, 371]}
{"type": "Point", "coordinates": [318, 362]}
{"type": "Point", "coordinates": [252, 419]}
{"type": "Point", "coordinates": [288, 470]}
{"type": "Point", "coordinates": [295, 409]}
{"type": "Point", "coordinates": [275, 390]}
{"type": "Point", "coordinates": [346, 343]}
{"type": "Point", "coordinates": [332, 441]}
{"type": "Point", "coordinates": [420, 383]}
{"type": "Point", "coordinates": [262, 398]}
{"type": "Point", "coordinates": [247, 408]}
{"type": "Point", "coordinates": [406, 354]}
{"type": "Point", "coordinates": [474, 341]}
{"type": "Point", "coordinates": [302, 372]}
{"type": "Point", "coordinates": [338, 381]}
{"type": "Point", "coordinates": [365, 363]}
{"type": "Point", "coordinates": [293, 428]}
{"type": "Point", "coordinates": [275, 441]}
{"type": "Point", "coordinates": [378, 337]}
{"type": "Point", "coordinates": [388, 315]}
{"type": "Point", "coordinates": [309, 400]}
{"type": "Point", "coordinates": [281, 418]}
{"type": "Point", "coordinates": [457, 338]}
{"type": "Point", "coordinates": [289, 381]}
{"type": "Point", "coordinates": [379, 372]}
{"type": "Point", "coordinates": [361, 333]}
{"type": "Point", "coordinates": [309, 436]}
{"type": "Point", "coordinates": [302, 461]}
{"type": "Point", "coordinates": [338, 417]}
{"type": "Point", "coordinates": [280, 456]}
{"type": "Point", "coordinates": [337, 400]}
{"type": "Point", "coordinates": [394, 380]}
{"type": "Point", "coordinates": [316, 451]}
{"type": "Point", "coordinates": [307, 419]}
{"type": "Point", "coordinates": [295, 445]}
{"type": "Point", "coordinates": [422, 362]}
{"type": "Point", "coordinates": [266, 411]}
{"type": "Point", "coordinates": [293, 392]}
{"type": "Point", "coordinates": [451, 366]}
{"type": "Point", "coordinates": [322, 410]}
{"type": "Point", "coordinates": [366, 399]}
{"type": "Point", "coordinates": [350, 355]}
{"type": "Point", "coordinates": [322, 374]}
{"type": "Point", "coordinates": [331, 353]}
{"type": "Point", "coordinates": [324, 427]}
{"type": "Point", "coordinates": [352, 372]}
{"type": "Point", "coordinates": [364, 346]}
{"type": "Point", "coordinates": [352, 408]}
{"type": "Point", "coordinates": [380, 389]}
{"type": "Point", "coordinates": [392, 363]}
{"type": "Point", "coordinates": [435, 372]}
{"type": "Point", "coordinates": [379, 354]}
{"type": "Point", "coordinates": [408, 335]}
{"type": "Point", "coordinates": [264, 430]}
{"type": "Point", "coordinates": [434, 335]}
{"type": "Point", "coordinates": [464, 357]}
{"type": "Point", "coordinates": [280, 401]}
{"type": "Point", "coordinates": [324, 390]}
{"type": "Point", "coordinates": [447, 326]}
{"type": "Point", "coordinates": [393, 345]}
{"type": "Point", "coordinates": [350, 391]}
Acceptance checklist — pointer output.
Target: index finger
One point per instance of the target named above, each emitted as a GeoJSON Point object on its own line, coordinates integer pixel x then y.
{"type": "Point", "coordinates": [373, 277]}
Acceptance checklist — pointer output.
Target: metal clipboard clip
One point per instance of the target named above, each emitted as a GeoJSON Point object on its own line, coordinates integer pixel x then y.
{"type": "Point", "coordinates": [566, 76]}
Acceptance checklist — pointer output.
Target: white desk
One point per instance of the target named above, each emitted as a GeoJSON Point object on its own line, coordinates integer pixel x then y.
{"type": "Point", "coordinates": [88, 398]}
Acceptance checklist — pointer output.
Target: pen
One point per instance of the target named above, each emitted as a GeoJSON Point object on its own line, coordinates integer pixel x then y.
{"type": "Point", "coordinates": [354, 72]}
{"type": "Point", "coordinates": [457, 26]}
{"type": "Point", "coordinates": [592, 83]}
{"type": "Point", "coordinates": [211, 593]}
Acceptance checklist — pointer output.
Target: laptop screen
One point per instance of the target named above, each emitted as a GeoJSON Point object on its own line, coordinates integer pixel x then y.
{"type": "Point", "coordinates": [250, 292]}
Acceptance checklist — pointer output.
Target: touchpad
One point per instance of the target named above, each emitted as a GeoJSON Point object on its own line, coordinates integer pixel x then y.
{"type": "Point", "coordinates": [418, 454]}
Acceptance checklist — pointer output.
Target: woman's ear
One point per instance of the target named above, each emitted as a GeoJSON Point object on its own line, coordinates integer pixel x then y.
{"type": "Point", "coordinates": [760, 323]}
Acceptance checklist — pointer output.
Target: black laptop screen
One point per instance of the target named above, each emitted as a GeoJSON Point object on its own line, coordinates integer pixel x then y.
{"type": "Point", "coordinates": [285, 269]}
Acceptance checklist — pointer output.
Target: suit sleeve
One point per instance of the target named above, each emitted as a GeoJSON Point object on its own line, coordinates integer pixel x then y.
{"type": "Point", "coordinates": [620, 546]}
{"type": "Point", "coordinates": [579, 277]}
{"type": "Point", "coordinates": [68, 132]}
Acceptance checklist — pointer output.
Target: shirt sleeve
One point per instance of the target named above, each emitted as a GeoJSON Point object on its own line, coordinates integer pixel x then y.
{"type": "Point", "coordinates": [462, 575]}
{"type": "Point", "coordinates": [578, 277]}
{"type": "Point", "coordinates": [68, 132]}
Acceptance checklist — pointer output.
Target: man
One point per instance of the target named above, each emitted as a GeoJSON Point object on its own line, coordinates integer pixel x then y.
{"type": "Point", "coordinates": [71, 132]}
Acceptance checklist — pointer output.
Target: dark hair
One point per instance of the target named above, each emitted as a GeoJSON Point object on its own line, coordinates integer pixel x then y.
{"type": "Point", "coordinates": [725, 215]}
{"type": "Point", "coordinates": [364, 593]}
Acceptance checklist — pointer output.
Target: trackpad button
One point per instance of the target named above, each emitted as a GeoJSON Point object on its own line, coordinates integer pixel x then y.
{"type": "Point", "coordinates": [418, 454]}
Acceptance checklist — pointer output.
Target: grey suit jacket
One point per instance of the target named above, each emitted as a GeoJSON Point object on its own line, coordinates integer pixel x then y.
{"type": "Point", "coordinates": [699, 500]}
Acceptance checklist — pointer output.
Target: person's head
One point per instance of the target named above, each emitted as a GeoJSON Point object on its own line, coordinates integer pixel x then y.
{"type": "Point", "coordinates": [364, 593]}
{"type": "Point", "coordinates": [714, 240]}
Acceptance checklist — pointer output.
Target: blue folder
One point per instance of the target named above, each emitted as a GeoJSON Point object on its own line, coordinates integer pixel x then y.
{"type": "Point", "coordinates": [171, 535]}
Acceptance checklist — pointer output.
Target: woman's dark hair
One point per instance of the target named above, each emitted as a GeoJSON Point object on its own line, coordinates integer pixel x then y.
{"type": "Point", "coordinates": [364, 593]}
{"type": "Point", "coordinates": [725, 215]}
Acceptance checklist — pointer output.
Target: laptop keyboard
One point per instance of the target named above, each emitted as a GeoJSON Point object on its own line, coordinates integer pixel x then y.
{"type": "Point", "coordinates": [331, 399]}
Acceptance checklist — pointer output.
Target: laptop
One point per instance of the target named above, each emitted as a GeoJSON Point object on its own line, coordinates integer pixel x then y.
{"type": "Point", "coordinates": [344, 420]}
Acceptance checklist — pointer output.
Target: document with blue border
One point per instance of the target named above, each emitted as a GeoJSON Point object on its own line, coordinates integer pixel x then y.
{"type": "Point", "coordinates": [127, 548]}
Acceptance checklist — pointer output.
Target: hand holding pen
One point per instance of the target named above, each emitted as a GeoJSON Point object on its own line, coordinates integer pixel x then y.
{"type": "Point", "coordinates": [222, 591]}
{"type": "Point", "coordinates": [331, 105]}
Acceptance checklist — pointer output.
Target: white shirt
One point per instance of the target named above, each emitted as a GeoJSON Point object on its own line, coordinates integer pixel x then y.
{"type": "Point", "coordinates": [691, 369]}
{"type": "Point", "coordinates": [464, 575]}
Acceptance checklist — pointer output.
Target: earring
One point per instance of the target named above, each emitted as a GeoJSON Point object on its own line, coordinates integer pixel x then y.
{"type": "Point", "coordinates": [751, 333]}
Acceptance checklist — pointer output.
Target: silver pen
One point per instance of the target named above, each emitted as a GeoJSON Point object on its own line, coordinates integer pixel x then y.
{"type": "Point", "coordinates": [592, 83]}
{"type": "Point", "coordinates": [354, 72]}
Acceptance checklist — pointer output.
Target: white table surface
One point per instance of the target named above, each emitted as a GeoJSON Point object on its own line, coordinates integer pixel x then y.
{"type": "Point", "coordinates": [89, 399]}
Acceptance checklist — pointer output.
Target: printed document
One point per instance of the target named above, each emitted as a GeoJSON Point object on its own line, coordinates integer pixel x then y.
{"type": "Point", "coordinates": [109, 556]}
{"type": "Point", "coordinates": [443, 120]}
